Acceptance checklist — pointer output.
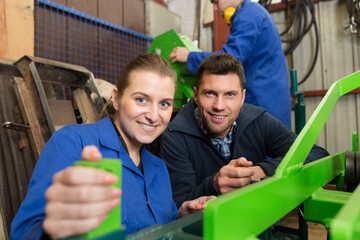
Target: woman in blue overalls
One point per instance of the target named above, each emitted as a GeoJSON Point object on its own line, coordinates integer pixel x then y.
{"type": "Point", "coordinates": [64, 200]}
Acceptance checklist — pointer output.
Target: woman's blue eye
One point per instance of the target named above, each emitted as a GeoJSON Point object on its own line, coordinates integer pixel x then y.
{"type": "Point", "coordinates": [164, 104]}
{"type": "Point", "coordinates": [141, 100]}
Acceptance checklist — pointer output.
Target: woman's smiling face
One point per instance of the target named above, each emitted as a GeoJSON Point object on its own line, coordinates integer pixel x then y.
{"type": "Point", "coordinates": [145, 108]}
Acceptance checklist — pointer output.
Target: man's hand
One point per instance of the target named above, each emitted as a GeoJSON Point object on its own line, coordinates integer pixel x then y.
{"type": "Point", "coordinates": [179, 54]}
{"type": "Point", "coordinates": [258, 173]}
{"type": "Point", "coordinates": [192, 206]}
{"type": "Point", "coordinates": [79, 198]}
{"type": "Point", "coordinates": [236, 174]}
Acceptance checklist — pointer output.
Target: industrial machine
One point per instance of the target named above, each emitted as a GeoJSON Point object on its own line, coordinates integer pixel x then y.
{"type": "Point", "coordinates": [248, 212]}
{"type": "Point", "coordinates": [37, 97]}
{"type": "Point", "coordinates": [163, 46]}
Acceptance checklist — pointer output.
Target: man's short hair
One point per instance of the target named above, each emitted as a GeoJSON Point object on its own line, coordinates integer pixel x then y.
{"type": "Point", "coordinates": [221, 64]}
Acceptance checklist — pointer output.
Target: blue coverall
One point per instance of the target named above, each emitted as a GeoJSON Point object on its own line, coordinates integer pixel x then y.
{"type": "Point", "coordinates": [146, 199]}
{"type": "Point", "coordinates": [255, 41]}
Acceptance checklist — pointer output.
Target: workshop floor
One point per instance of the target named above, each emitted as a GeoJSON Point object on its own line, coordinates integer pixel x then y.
{"type": "Point", "coordinates": [316, 231]}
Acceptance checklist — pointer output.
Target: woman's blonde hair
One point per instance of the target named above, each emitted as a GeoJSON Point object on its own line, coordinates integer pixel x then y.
{"type": "Point", "coordinates": [145, 62]}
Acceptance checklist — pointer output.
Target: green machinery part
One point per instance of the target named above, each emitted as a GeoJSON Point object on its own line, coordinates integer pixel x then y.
{"type": "Point", "coordinates": [300, 107]}
{"type": "Point", "coordinates": [111, 227]}
{"type": "Point", "coordinates": [163, 46]}
{"type": "Point", "coordinates": [247, 212]}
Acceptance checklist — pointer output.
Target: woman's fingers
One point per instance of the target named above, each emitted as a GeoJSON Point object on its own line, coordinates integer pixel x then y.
{"type": "Point", "coordinates": [84, 175]}
{"type": "Point", "coordinates": [60, 228]}
{"type": "Point", "coordinates": [60, 210]}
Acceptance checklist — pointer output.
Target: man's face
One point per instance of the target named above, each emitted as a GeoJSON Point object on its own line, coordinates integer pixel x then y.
{"type": "Point", "coordinates": [219, 99]}
{"type": "Point", "coordinates": [221, 5]}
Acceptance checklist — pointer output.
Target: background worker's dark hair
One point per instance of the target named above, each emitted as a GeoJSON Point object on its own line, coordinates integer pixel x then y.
{"type": "Point", "coordinates": [221, 64]}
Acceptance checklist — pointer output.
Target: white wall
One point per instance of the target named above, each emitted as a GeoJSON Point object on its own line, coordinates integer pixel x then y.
{"type": "Point", "coordinates": [187, 10]}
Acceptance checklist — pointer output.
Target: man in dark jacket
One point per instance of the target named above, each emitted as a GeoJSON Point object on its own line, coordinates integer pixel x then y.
{"type": "Point", "coordinates": [217, 143]}
{"type": "Point", "coordinates": [255, 41]}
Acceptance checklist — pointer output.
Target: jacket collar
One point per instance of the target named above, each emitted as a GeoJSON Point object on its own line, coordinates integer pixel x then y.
{"type": "Point", "coordinates": [107, 134]}
{"type": "Point", "coordinates": [185, 120]}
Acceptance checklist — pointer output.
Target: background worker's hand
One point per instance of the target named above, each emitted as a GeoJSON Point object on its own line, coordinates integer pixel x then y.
{"type": "Point", "coordinates": [234, 175]}
{"type": "Point", "coordinates": [179, 54]}
{"type": "Point", "coordinates": [192, 206]}
{"type": "Point", "coordinates": [79, 198]}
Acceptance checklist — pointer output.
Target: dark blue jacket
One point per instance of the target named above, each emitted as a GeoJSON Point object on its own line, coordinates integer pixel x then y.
{"type": "Point", "coordinates": [192, 160]}
{"type": "Point", "coordinates": [146, 199]}
{"type": "Point", "coordinates": [255, 41]}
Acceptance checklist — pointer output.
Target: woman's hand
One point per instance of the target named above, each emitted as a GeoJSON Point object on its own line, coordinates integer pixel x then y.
{"type": "Point", "coordinates": [192, 206]}
{"type": "Point", "coordinates": [79, 198]}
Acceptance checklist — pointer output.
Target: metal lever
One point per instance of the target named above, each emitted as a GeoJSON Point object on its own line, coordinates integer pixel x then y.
{"type": "Point", "coordinates": [15, 126]}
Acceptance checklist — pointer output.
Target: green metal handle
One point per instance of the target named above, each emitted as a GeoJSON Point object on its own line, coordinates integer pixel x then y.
{"type": "Point", "coordinates": [307, 137]}
{"type": "Point", "coordinates": [247, 212]}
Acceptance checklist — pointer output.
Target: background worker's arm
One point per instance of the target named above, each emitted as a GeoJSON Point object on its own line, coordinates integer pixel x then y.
{"type": "Point", "coordinates": [179, 54]}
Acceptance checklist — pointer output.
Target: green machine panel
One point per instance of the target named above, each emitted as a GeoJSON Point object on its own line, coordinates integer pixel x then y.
{"type": "Point", "coordinates": [248, 212]}
{"type": "Point", "coordinates": [163, 46]}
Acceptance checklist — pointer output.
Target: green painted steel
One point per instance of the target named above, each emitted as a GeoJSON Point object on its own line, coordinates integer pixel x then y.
{"type": "Point", "coordinates": [293, 78]}
{"type": "Point", "coordinates": [111, 226]}
{"type": "Point", "coordinates": [300, 113]}
{"type": "Point", "coordinates": [323, 205]}
{"type": "Point", "coordinates": [189, 227]}
{"type": "Point", "coordinates": [355, 142]}
{"type": "Point", "coordinates": [163, 46]}
{"type": "Point", "coordinates": [298, 152]}
{"type": "Point", "coordinates": [346, 225]}
{"type": "Point", "coordinates": [300, 107]}
{"type": "Point", "coordinates": [247, 212]}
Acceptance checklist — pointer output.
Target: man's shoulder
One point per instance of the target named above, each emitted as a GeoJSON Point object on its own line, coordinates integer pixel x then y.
{"type": "Point", "coordinates": [250, 112]}
{"type": "Point", "coordinates": [184, 120]}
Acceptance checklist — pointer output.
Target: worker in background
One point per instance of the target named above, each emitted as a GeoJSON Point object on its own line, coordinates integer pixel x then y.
{"type": "Point", "coordinates": [255, 41]}
{"type": "Point", "coordinates": [64, 200]}
{"type": "Point", "coordinates": [217, 143]}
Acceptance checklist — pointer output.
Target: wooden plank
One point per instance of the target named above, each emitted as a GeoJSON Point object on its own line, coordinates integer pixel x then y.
{"type": "Point", "coordinates": [134, 15]}
{"type": "Point", "coordinates": [2, 230]}
{"type": "Point", "coordinates": [86, 109]}
{"type": "Point", "coordinates": [9, 198]}
{"type": "Point", "coordinates": [3, 36]}
{"type": "Point", "coordinates": [62, 113]}
{"type": "Point", "coordinates": [31, 110]}
{"type": "Point", "coordinates": [62, 2]}
{"type": "Point", "coordinates": [85, 6]}
{"type": "Point", "coordinates": [111, 11]}
{"type": "Point", "coordinates": [16, 158]}
{"type": "Point", "coordinates": [19, 28]}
